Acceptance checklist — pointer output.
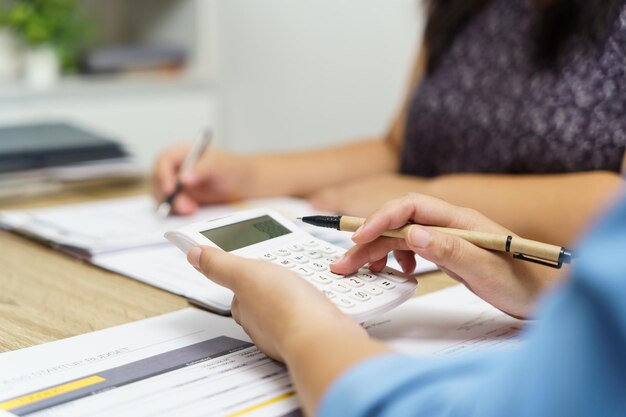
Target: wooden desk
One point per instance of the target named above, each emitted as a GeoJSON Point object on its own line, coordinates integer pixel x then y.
{"type": "Point", "coordinates": [46, 295]}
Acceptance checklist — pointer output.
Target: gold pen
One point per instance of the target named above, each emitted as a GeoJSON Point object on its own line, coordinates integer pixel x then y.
{"type": "Point", "coordinates": [524, 249]}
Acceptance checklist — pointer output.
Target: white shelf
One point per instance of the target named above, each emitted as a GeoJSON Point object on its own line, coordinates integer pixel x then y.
{"type": "Point", "coordinates": [188, 23]}
{"type": "Point", "coordinates": [146, 111]}
{"type": "Point", "coordinates": [97, 87]}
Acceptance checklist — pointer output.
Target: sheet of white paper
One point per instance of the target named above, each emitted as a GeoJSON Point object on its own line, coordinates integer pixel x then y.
{"type": "Point", "coordinates": [166, 267]}
{"type": "Point", "coordinates": [446, 323]}
{"type": "Point", "coordinates": [103, 226]}
{"type": "Point", "coordinates": [421, 265]}
{"type": "Point", "coordinates": [186, 363]}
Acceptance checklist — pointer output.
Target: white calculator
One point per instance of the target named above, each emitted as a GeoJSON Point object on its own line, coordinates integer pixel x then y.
{"type": "Point", "coordinates": [265, 234]}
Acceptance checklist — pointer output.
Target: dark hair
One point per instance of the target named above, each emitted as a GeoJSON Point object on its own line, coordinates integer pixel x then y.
{"type": "Point", "coordinates": [555, 22]}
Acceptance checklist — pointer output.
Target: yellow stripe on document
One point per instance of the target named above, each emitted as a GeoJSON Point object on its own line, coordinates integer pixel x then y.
{"type": "Point", "coordinates": [263, 404]}
{"type": "Point", "coordinates": [50, 392]}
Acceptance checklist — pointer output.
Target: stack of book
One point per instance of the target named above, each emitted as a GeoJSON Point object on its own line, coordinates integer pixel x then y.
{"type": "Point", "coordinates": [44, 157]}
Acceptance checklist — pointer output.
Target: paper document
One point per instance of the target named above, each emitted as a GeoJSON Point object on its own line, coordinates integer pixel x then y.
{"type": "Point", "coordinates": [449, 322]}
{"type": "Point", "coordinates": [102, 226]}
{"type": "Point", "coordinates": [193, 363]}
{"type": "Point", "coordinates": [186, 363]}
{"type": "Point", "coordinates": [41, 181]}
{"type": "Point", "coordinates": [118, 224]}
{"type": "Point", "coordinates": [125, 236]}
{"type": "Point", "coordinates": [166, 267]}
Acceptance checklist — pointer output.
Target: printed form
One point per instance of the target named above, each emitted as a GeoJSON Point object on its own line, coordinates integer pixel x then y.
{"type": "Point", "coordinates": [194, 363]}
{"type": "Point", "coordinates": [449, 322]}
{"type": "Point", "coordinates": [186, 363]}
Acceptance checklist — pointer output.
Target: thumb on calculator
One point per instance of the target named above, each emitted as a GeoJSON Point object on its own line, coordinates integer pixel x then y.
{"type": "Point", "coordinates": [222, 267]}
{"type": "Point", "coordinates": [253, 280]}
{"type": "Point", "coordinates": [272, 304]}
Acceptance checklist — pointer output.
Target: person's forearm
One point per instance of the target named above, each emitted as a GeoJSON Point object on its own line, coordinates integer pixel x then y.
{"type": "Point", "coordinates": [302, 173]}
{"type": "Point", "coordinates": [317, 357]}
{"type": "Point", "coordinates": [552, 208]}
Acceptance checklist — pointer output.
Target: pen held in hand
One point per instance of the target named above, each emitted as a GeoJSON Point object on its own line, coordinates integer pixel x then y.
{"type": "Point", "coordinates": [165, 208]}
{"type": "Point", "coordinates": [524, 249]}
{"type": "Point", "coordinates": [195, 153]}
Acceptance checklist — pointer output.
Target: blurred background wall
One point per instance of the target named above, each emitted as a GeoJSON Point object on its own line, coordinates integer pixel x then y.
{"type": "Point", "coordinates": [269, 75]}
{"type": "Point", "coordinates": [294, 74]}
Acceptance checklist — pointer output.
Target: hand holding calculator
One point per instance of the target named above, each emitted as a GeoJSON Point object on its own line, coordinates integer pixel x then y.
{"type": "Point", "coordinates": [265, 234]}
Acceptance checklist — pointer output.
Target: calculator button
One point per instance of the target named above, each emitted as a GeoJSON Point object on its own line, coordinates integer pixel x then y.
{"type": "Point", "coordinates": [303, 271]}
{"type": "Point", "coordinates": [354, 282]}
{"type": "Point", "coordinates": [286, 263]}
{"type": "Point", "coordinates": [333, 277]}
{"type": "Point", "coordinates": [328, 250]}
{"type": "Point", "coordinates": [374, 290]}
{"type": "Point", "coordinates": [344, 302]}
{"type": "Point", "coordinates": [313, 254]}
{"type": "Point", "coordinates": [317, 266]}
{"type": "Point", "coordinates": [386, 284]}
{"type": "Point", "coordinates": [311, 243]}
{"type": "Point", "coordinates": [282, 252]}
{"type": "Point", "coordinates": [330, 260]}
{"type": "Point", "coordinates": [267, 257]}
{"type": "Point", "coordinates": [296, 247]}
{"type": "Point", "coordinates": [366, 276]}
{"type": "Point", "coordinates": [340, 287]}
{"type": "Point", "coordinates": [360, 296]}
{"type": "Point", "coordinates": [299, 259]}
{"type": "Point", "coordinates": [321, 279]}
{"type": "Point", "coordinates": [329, 294]}
{"type": "Point", "coordinates": [393, 276]}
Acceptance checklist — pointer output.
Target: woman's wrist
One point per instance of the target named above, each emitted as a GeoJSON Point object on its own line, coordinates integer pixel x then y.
{"type": "Point", "coordinates": [266, 176]}
{"type": "Point", "coordinates": [318, 355]}
{"type": "Point", "coordinates": [257, 181]}
{"type": "Point", "coordinates": [341, 330]}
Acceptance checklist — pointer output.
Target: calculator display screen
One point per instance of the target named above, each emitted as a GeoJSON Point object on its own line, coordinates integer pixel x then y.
{"type": "Point", "coordinates": [245, 233]}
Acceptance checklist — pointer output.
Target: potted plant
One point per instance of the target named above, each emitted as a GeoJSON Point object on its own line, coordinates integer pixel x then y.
{"type": "Point", "coordinates": [52, 32]}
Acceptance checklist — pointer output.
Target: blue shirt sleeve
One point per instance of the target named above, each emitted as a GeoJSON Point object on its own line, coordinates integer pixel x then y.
{"type": "Point", "coordinates": [571, 363]}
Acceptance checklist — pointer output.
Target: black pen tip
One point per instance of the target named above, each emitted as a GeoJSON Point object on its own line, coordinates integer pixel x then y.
{"type": "Point", "coordinates": [331, 222]}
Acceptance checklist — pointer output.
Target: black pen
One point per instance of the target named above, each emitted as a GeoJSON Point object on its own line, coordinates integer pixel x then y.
{"type": "Point", "coordinates": [524, 249]}
{"type": "Point", "coordinates": [192, 157]}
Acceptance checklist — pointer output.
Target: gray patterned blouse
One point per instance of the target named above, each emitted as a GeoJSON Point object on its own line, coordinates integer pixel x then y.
{"type": "Point", "coordinates": [486, 108]}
